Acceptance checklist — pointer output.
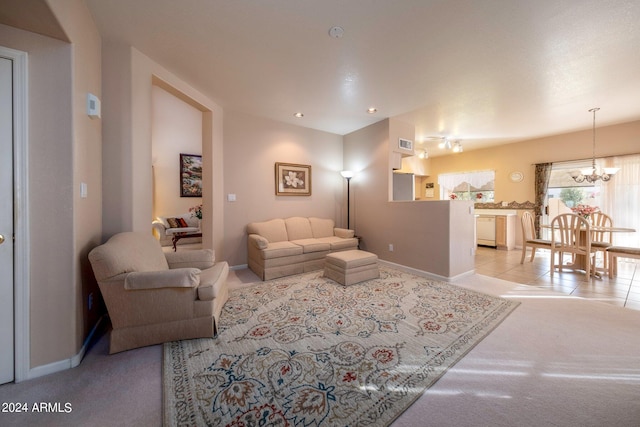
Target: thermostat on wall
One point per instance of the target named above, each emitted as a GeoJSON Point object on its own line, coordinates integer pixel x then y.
{"type": "Point", "coordinates": [93, 106]}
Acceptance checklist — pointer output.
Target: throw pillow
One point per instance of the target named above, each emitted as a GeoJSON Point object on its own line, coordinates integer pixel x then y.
{"type": "Point", "coordinates": [182, 222]}
{"type": "Point", "coordinates": [173, 222]}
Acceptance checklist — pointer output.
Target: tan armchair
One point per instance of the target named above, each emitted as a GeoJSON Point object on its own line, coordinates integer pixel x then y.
{"type": "Point", "coordinates": [153, 297]}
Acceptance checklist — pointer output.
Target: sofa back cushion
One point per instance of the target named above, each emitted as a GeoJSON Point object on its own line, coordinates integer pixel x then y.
{"type": "Point", "coordinates": [321, 227]}
{"type": "Point", "coordinates": [127, 252]}
{"type": "Point", "coordinates": [273, 230]}
{"type": "Point", "coordinates": [298, 228]}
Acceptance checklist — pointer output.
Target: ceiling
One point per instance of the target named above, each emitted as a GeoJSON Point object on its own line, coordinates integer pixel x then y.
{"type": "Point", "coordinates": [480, 71]}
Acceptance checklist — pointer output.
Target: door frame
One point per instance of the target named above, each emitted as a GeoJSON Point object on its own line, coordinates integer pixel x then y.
{"type": "Point", "coordinates": [21, 276]}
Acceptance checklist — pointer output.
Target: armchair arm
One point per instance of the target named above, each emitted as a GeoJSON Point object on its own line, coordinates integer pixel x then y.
{"type": "Point", "coordinates": [258, 241]}
{"type": "Point", "coordinates": [176, 278]}
{"type": "Point", "coordinates": [202, 259]}
{"type": "Point", "coordinates": [344, 233]}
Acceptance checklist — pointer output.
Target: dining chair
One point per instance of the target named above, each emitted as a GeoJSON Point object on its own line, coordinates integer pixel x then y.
{"type": "Point", "coordinates": [601, 239]}
{"type": "Point", "coordinates": [529, 239]}
{"type": "Point", "coordinates": [571, 235]}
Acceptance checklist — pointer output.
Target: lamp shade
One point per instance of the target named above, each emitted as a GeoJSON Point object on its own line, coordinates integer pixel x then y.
{"type": "Point", "coordinates": [347, 174]}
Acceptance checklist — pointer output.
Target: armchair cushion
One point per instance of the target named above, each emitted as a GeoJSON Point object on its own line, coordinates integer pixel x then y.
{"type": "Point", "coordinates": [176, 278]}
{"type": "Point", "coordinates": [142, 254]}
{"type": "Point", "coordinates": [202, 259]}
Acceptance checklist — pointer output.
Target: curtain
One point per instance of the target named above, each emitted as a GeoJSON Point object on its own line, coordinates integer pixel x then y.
{"type": "Point", "coordinates": [543, 172]}
{"type": "Point", "coordinates": [620, 197]}
{"type": "Point", "coordinates": [476, 179]}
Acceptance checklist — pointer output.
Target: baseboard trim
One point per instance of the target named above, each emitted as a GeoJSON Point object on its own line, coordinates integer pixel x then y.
{"type": "Point", "coordinates": [239, 267]}
{"type": "Point", "coordinates": [63, 365]}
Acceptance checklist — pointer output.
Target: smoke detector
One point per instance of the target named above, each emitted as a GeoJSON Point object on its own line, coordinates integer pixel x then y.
{"type": "Point", "coordinates": [336, 32]}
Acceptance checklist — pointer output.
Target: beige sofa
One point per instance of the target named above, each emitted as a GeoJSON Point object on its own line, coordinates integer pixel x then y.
{"type": "Point", "coordinates": [164, 231]}
{"type": "Point", "coordinates": [153, 297]}
{"type": "Point", "coordinates": [281, 247]}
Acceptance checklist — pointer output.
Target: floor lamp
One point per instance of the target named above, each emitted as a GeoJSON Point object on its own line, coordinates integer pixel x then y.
{"type": "Point", "coordinates": [348, 175]}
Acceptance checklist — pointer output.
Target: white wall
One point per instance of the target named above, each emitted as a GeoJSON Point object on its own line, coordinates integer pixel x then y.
{"type": "Point", "coordinates": [176, 129]}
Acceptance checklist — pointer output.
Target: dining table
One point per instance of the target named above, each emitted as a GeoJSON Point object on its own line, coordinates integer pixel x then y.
{"type": "Point", "coordinates": [579, 262]}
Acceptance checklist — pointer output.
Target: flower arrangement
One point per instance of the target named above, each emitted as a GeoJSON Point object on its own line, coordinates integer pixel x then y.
{"type": "Point", "coordinates": [585, 210]}
{"type": "Point", "coordinates": [479, 196]}
{"type": "Point", "coordinates": [453, 196]}
{"type": "Point", "coordinates": [196, 211]}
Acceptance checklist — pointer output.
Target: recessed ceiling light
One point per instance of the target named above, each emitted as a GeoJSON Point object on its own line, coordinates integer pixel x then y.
{"type": "Point", "coordinates": [298, 115]}
{"type": "Point", "coordinates": [372, 110]}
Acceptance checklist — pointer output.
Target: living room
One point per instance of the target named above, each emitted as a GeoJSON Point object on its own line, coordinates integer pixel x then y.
{"type": "Point", "coordinates": [66, 148]}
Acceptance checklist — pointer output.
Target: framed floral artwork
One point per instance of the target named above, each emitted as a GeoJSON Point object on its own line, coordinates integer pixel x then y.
{"type": "Point", "coordinates": [190, 175]}
{"type": "Point", "coordinates": [293, 180]}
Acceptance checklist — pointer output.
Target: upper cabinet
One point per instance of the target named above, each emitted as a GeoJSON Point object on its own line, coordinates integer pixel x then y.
{"type": "Point", "coordinates": [415, 165]}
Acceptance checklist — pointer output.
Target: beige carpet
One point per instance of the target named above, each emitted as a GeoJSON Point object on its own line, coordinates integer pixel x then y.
{"type": "Point", "coordinates": [303, 350]}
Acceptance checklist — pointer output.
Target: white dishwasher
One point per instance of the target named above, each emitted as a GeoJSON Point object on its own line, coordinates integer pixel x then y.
{"type": "Point", "coordinates": [486, 230]}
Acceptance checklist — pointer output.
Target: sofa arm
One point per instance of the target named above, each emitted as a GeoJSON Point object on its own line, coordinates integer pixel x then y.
{"type": "Point", "coordinates": [159, 228]}
{"type": "Point", "coordinates": [176, 278]}
{"type": "Point", "coordinates": [202, 259]}
{"type": "Point", "coordinates": [258, 241]}
{"type": "Point", "coordinates": [344, 233]}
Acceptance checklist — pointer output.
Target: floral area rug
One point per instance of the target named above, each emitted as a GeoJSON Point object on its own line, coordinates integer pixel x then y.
{"type": "Point", "coordinates": [305, 351]}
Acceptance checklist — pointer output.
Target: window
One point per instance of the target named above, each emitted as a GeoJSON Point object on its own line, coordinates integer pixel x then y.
{"type": "Point", "coordinates": [477, 186]}
{"type": "Point", "coordinates": [618, 198]}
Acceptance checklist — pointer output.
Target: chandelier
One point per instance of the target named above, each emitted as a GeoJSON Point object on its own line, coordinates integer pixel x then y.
{"type": "Point", "coordinates": [592, 174]}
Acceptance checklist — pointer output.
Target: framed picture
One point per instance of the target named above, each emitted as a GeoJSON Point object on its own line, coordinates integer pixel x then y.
{"type": "Point", "coordinates": [293, 180]}
{"type": "Point", "coordinates": [190, 175]}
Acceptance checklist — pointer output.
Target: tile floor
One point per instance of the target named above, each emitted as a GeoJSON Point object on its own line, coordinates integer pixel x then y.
{"type": "Point", "coordinates": [623, 291]}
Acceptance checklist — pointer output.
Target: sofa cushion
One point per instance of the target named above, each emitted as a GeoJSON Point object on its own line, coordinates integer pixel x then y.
{"type": "Point", "coordinates": [273, 230]}
{"type": "Point", "coordinates": [298, 228]}
{"type": "Point", "coordinates": [126, 252]}
{"type": "Point", "coordinates": [321, 227]}
{"type": "Point", "coordinates": [339, 243]}
{"type": "Point", "coordinates": [281, 249]}
{"type": "Point", "coordinates": [312, 245]}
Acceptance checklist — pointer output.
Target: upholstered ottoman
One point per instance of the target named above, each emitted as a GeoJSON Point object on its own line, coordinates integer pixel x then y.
{"type": "Point", "coordinates": [350, 267]}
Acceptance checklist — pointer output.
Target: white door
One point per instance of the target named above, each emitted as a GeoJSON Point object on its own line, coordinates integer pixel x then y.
{"type": "Point", "coordinates": [6, 222]}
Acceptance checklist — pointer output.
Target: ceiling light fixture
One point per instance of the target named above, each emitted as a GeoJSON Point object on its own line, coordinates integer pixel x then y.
{"type": "Point", "coordinates": [591, 175]}
{"type": "Point", "coordinates": [445, 143]}
{"type": "Point", "coordinates": [372, 110]}
{"type": "Point", "coordinates": [457, 147]}
{"type": "Point", "coordinates": [424, 154]}
{"type": "Point", "coordinates": [298, 115]}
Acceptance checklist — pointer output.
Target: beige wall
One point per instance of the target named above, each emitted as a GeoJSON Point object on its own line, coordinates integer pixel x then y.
{"type": "Point", "coordinates": [522, 156]}
{"type": "Point", "coordinates": [78, 24]}
{"type": "Point", "coordinates": [64, 148]}
{"type": "Point", "coordinates": [176, 129]}
{"type": "Point", "coordinates": [252, 146]}
{"type": "Point", "coordinates": [436, 237]}
{"type": "Point", "coordinates": [128, 79]}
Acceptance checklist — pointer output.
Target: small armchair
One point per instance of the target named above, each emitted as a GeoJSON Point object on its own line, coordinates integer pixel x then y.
{"type": "Point", "coordinates": [153, 297]}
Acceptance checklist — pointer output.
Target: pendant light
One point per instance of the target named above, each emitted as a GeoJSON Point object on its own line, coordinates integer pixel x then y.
{"type": "Point", "coordinates": [592, 174]}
